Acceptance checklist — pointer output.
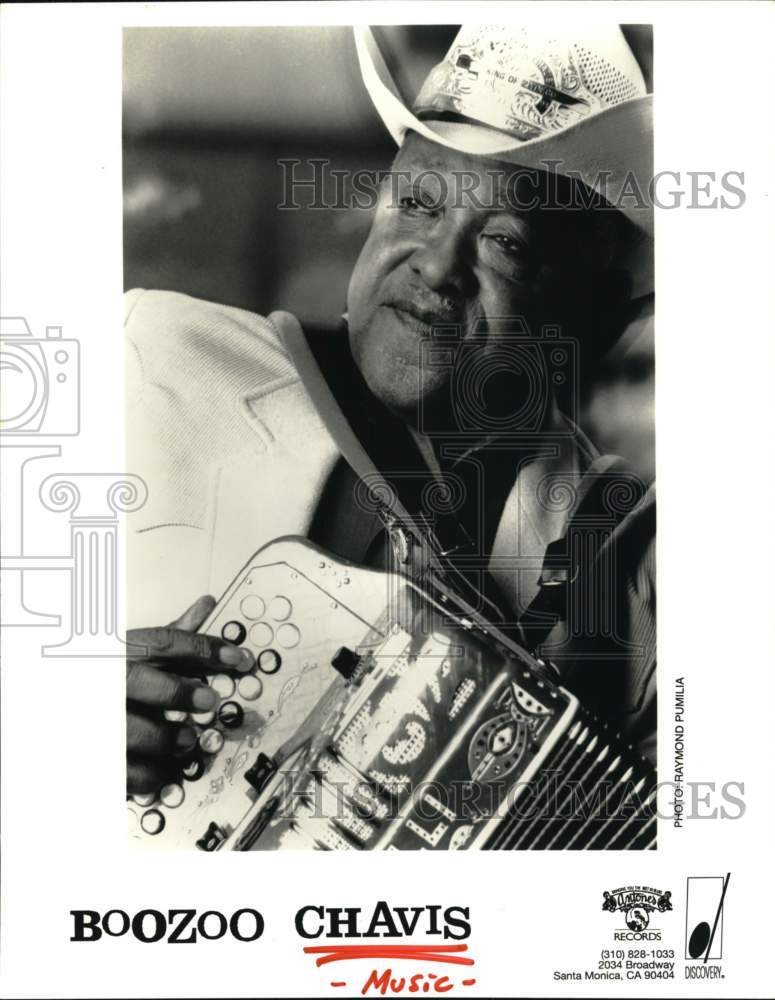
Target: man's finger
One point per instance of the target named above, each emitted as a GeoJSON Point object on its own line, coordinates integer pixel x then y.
{"type": "Point", "coordinates": [150, 737]}
{"type": "Point", "coordinates": [203, 651]}
{"type": "Point", "coordinates": [151, 686]}
{"type": "Point", "coordinates": [196, 615]}
{"type": "Point", "coordinates": [145, 775]}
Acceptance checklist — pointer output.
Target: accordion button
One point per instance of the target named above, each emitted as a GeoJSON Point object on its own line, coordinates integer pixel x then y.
{"type": "Point", "coordinates": [211, 740]}
{"type": "Point", "coordinates": [172, 795]}
{"type": "Point", "coordinates": [261, 771]}
{"type": "Point", "coordinates": [249, 687]}
{"type": "Point", "coordinates": [223, 684]}
{"type": "Point", "coordinates": [345, 661]}
{"type": "Point", "coordinates": [280, 609]}
{"type": "Point", "coordinates": [269, 661]}
{"type": "Point", "coordinates": [214, 836]}
{"type": "Point", "coordinates": [288, 636]}
{"type": "Point", "coordinates": [152, 822]}
{"type": "Point", "coordinates": [203, 718]}
{"type": "Point", "coordinates": [230, 714]}
{"type": "Point", "coordinates": [234, 632]}
{"type": "Point", "coordinates": [261, 634]}
{"type": "Point", "coordinates": [194, 770]}
{"type": "Point", "coordinates": [252, 607]}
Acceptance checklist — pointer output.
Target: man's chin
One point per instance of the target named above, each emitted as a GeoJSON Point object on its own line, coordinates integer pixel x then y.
{"type": "Point", "coordinates": [397, 387]}
{"type": "Point", "coordinates": [396, 372]}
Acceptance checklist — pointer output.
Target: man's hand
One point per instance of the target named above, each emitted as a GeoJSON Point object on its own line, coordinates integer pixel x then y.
{"type": "Point", "coordinates": [164, 672]}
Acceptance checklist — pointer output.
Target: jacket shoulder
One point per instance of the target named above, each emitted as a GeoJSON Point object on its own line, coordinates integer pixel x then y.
{"type": "Point", "coordinates": [195, 372]}
{"type": "Point", "coordinates": [179, 339]}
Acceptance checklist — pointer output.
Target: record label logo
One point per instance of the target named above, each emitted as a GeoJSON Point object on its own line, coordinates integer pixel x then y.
{"type": "Point", "coordinates": [637, 903]}
{"type": "Point", "coordinates": [705, 916]}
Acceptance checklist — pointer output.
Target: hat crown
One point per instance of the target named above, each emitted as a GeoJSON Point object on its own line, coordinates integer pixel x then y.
{"type": "Point", "coordinates": [531, 83]}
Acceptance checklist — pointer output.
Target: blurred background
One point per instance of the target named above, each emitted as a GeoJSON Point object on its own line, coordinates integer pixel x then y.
{"type": "Point", "coordinates": [209, 112]}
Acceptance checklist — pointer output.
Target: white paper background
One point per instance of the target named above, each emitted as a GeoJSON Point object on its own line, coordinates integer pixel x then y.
{"type": "Point", "coordinates": [63, 817]}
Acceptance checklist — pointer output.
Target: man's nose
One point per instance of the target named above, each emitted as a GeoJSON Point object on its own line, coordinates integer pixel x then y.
{"type": "Point", "coordinates": [443, 262]}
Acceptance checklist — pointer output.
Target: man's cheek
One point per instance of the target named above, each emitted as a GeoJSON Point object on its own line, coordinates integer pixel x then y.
{"type": "Point", "coordinates": [364, 289]}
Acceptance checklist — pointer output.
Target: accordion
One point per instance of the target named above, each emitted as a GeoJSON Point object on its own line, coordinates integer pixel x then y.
{"type": "Point", "coordinates": [385, 716]}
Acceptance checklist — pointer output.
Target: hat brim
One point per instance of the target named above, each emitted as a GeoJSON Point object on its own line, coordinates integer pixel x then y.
{"type": "Point", "coordinates": [611, 152]}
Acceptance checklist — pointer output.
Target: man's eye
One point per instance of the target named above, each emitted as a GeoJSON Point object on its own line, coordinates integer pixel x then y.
{"type": "Point", "coordinates": [507, 243]}
{"type": "Point", "coordinates": [411, 204]}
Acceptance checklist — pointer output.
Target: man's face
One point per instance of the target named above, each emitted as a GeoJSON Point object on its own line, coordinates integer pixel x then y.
{"type": "Point", "coordinates": [436, 256]}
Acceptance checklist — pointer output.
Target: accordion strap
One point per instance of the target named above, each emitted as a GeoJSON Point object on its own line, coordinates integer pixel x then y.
{"type": "Point", "coordinates": [330, 412]}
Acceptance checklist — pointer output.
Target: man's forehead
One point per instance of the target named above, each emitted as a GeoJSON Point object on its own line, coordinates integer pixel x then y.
{"type": "Point", "coordinates": [465, 180]}
{"type": "Point", "coordinates": [489, 184]}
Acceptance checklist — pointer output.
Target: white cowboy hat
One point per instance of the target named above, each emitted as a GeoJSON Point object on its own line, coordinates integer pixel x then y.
{"type": "Point", "coordinates": [570, 100]}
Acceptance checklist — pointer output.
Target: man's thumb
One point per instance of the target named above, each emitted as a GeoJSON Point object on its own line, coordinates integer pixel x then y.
{"type": "Point", "coordinates": [190, 620]}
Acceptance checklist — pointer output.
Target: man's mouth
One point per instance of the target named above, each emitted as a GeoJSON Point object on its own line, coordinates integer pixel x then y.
{"type": "Point", "coordinates": [421, 319]}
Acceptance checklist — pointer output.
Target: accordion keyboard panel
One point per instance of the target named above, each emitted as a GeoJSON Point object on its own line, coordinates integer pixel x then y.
{"type": "Point", "coordinates": [378, 718]}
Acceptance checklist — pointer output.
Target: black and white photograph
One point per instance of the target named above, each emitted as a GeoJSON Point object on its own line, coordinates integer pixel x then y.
{"type": "Point", "coordinates": [384, 436]}
{"type": "Point", "coordinates": [390, 389]}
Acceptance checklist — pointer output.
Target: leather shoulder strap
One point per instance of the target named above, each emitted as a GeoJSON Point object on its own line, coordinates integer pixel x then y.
{"type": "Point", "coordinates": [329, 410]}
